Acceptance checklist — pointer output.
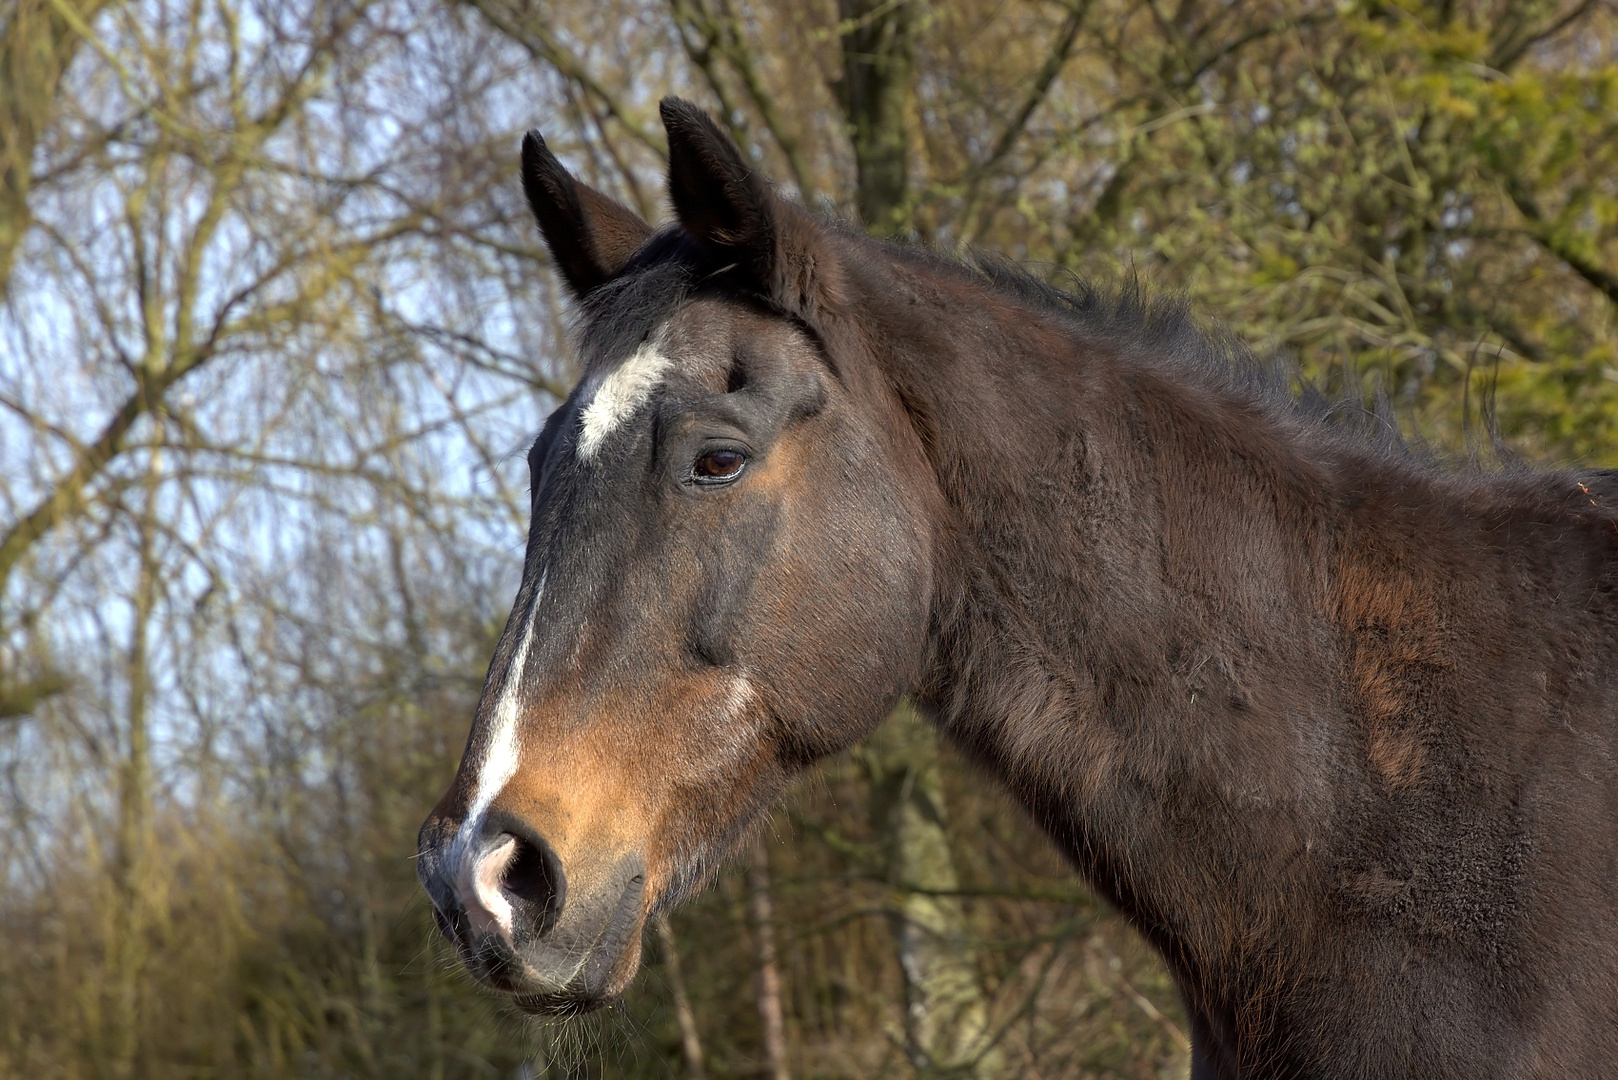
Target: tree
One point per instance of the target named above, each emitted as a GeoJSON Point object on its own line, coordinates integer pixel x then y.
{"type": "Point", "coordinates": [230, 354]}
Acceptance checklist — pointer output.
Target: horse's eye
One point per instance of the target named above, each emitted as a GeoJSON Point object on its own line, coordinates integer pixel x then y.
{"type": "Point", "coordinates": [718, 466]}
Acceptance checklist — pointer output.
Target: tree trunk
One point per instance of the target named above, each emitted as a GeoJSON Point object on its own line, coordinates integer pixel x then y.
{"type": "Point", "coordinates": [873, 93]}
{"type": "Point", "coordinates": [946, 1015]}
{"type": "Point", "coordinates": [37, 42]}
{"type": "Point", "coordinates": [690, 1040]}
{"type": "Point", "coordinates": [127, 947]}
{"type": "Point", "coordinates": [769, 971]}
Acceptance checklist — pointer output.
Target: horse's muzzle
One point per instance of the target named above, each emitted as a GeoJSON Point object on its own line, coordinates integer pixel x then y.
{"type": "Point", "coordinates": [503, 897]}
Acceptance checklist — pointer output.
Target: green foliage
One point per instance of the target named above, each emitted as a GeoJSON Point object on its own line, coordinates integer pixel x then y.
{"type": "Point", "coordinates": [1411, 194]}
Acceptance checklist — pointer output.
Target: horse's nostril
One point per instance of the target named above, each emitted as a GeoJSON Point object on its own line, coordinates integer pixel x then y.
{"type": "Point", "coordinates": [534, 884]}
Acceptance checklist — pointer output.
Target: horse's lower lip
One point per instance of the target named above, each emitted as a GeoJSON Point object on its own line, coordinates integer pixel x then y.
{"type": "Point", "coordinates": [557, 1005]}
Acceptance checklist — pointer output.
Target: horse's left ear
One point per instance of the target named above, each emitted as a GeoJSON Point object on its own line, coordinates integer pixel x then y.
{"type": "Point", "coordinates": [730, 211]}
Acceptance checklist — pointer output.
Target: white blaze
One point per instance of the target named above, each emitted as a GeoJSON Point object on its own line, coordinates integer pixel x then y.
{"type": "Point", "coordinates": [617, 396]}
{"type": "Point", "coordinates": [500, 751]}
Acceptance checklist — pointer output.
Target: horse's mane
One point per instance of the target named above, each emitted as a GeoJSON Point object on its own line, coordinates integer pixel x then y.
{"type": "Point", "coordinates": [1163, 330]}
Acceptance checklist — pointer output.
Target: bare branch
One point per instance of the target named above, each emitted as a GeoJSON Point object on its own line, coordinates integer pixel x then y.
{"type": "Point", "coordinates": [1552, 240]}
{"type": "Point", "coordinates": [536, 37]}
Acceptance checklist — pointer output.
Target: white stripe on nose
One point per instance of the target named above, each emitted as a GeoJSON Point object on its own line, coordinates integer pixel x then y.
{"type": "Point", "coordinates": [498, 766]}
{"type": "Point", "coordinates": [499, 762]}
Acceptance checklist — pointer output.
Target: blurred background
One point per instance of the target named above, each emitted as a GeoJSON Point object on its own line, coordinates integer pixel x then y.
{"type": "Point", "coordinates": [276, 328]}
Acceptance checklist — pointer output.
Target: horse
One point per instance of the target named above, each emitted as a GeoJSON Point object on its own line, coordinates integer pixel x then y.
{"type": "Point", "coordinates": [1330, 722]}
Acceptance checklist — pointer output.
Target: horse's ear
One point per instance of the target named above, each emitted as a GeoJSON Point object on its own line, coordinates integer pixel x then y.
{"type": "Point", "coordinates": [590, 235]}
{"type": "Point", "coordinates": [730, 211]}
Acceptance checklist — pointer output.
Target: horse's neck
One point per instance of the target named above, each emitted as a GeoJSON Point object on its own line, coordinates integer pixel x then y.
{"type": "Point", "coordinates": [1134, 598]}
{"type": "Point", "coordinates": [1298, 709]}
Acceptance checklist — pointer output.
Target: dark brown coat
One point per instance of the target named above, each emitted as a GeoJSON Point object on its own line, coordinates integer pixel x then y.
{"type": "Point", "coordinates": [1333, 727]}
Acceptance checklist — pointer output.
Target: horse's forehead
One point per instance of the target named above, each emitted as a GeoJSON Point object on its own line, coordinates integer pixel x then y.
{"type": "Point", "coordinates": [693, 342]}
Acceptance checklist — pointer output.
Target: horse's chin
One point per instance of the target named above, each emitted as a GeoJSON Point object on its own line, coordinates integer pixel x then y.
{"type": "Point", "coordinates": [593, 986]}
{"type": "Point", "coordinates": [576, 999]}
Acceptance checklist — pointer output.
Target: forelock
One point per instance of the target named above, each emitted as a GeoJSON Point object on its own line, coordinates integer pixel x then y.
{"type": "Point", "coordinates": [617, 318]}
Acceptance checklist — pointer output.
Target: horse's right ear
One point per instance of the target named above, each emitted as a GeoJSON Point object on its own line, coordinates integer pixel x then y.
{"type": "Point", "coordinates": [590, 235]}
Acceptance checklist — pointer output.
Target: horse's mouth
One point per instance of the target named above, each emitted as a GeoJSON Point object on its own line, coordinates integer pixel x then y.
{"type": "Point", "coordinates": [572, 969]}
{"type": "Point", "coordinates": [559, 1006]}
{"type": "Point", "coordinates": [593, 984]}
{"type": "Point", "coordinates": [514, 980]}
